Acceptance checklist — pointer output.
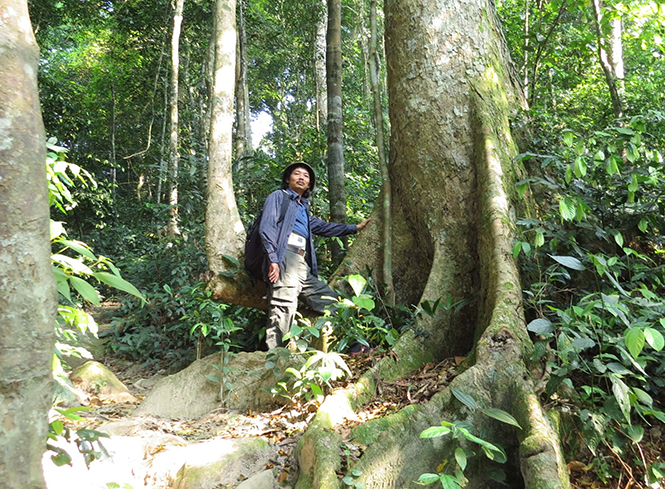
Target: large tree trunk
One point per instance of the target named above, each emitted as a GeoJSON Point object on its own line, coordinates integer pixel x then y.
{"type": "Point", "coordinates": [225, 233]}
{"type": "Point", "coordinates": [453, 184]}
{"type": "Point", "coordinates": [174, 159]}
{"type": "Point", "coordinates": [27, 302]}
{"type": "Point", "coordinates": [335, 155]}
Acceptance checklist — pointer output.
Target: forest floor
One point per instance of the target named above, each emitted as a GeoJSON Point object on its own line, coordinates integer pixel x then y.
{"type": "Point", "coordinates": [283, 427]}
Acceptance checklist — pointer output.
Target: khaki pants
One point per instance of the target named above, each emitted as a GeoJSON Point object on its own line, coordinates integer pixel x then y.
{"type": "Point", "coordinates": [296, 281]}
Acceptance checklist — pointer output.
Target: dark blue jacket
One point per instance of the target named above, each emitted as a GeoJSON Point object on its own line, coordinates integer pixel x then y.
{"type": "Point", "coordinates": [275, 235]}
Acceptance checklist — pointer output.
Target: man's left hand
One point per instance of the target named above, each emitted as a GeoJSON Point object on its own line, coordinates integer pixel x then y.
{"type": "Point", "coordinates": [363, 224]}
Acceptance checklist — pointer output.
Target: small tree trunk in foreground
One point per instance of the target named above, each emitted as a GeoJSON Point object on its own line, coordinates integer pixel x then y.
{"type": "Point", "coordinates": [28, 300]}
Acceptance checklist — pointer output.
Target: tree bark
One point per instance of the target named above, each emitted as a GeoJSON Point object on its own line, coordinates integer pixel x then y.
{"type": "Point", "coordinates": [28, 300]}
{"type": "Point", "coordinates": [320, 69]}
{"type": "Point", "coordinates": [174, 158]}
{"type": "Point", "coordinates": [375, 76]}
{"type": "Point", "coordinates": [225, 233]}
{"type": "Point", "coordinates": [243, 128]}
{"type": "Point", "coordinates": [610, 55]}
{"type": "Point", "coordinates": [453, 178]}
{"type": "Point", "coordinates": [335, 155]}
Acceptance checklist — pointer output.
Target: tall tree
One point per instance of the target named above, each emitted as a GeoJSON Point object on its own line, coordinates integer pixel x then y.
{"type": "Point", "coordinates": [243, 128]}
{"type": "Point", "coordinates": [320, 68]}
{"type": "Point", "coordinates": [335, 154]}
{"type": "Point", "coordinates": [375, 75]}
{"type": "Point", "coordinates": [174, 149]}
{"type": "Point", "coordinates": [610, 52]}
{"type": "Point", "coordinates": [27, 304]}
{"type": "Point", "coordinates": [451, 93]}
{"type": "Point", "coordinates": [225, 233]}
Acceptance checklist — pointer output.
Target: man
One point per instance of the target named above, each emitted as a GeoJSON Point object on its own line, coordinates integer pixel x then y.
{"type": "Point", "coordinates": [292, 272]}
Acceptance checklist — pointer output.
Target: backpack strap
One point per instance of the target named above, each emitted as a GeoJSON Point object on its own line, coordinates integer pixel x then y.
{"type": "Point", "coordinates": [285, 206]}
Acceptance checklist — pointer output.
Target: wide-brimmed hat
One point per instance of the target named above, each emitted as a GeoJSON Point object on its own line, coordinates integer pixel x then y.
{"type": "Point", "coordinates": [289, 169]}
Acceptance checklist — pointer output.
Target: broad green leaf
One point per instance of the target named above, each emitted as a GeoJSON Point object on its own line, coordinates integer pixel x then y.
{"type": "Point", "coordinates": [364, 303]}
{"type": "Point", "coordinates": [502, 416]}
{"type": "Point", "coordinates": [86, 290]}
{"type": "Point", "coordinates": [464, 398]}
{"type": "Point", "coordinates": [61, 282]}
{"type": "Point", "coordinates": [568, 262]}
{"type": "Point", "coordinates": [620, 391]}
{"type": "Point", "coordinates": [426, 479]}
{"type": "Point", "coordinates": [526, 247]}
{"type": "Point", "coordinates": [642, 396]}
{"type": "Point", "coordinates": [80, 248]}
{"type": "Point", "coordinates": [348, 480]}
{"type": "Point", "coordinates": [633, 186]}
{"type": "Point", "coordinates": [357, 283]}
{"type": "Point", "coordinates": [118, 283]}
{"type": "Point", "coordinates": [634, 338]}
{"type": "Point", "coordinates": [583, 343]}
{"type": "Point", "coordinates": [580, 167]}
{"type": "Point", "coordinates": [460, 456]}
{"type": "Point", "coordinates": [612, 166]}
{"type": "Point", "coordinates": [643, 225]}
{"type": "Point", "coordinates": [654, 338]}
{"type": "Point", "coordinates": [449, 482]}
{"type": "Point", "coordinates": [232, 260]}
{"type": "Point", "coordinates": [356, 472]}
{"type": "Point", "coordinates": [636, 432]}
{"type": "Point", "coordinates": [540, 239]}
{"type": "Point", "coordinates": [567, 209]}
{"type": "Point", "coordinates": [435, 431]}
{"type": "Point", "coordinates": [516, 249]}
{"type": "Point", "coordinates": [541, 326]}
{"type": "Point", "coordinates": [618, 238]}
{"type": "Point", "coordinates": [568, 138]}
{"type": "Point", "coordinates": [75, 265]}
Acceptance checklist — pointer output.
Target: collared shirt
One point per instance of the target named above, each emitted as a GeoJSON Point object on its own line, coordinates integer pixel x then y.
{"type": "Point", "coordinates": [301, 226]}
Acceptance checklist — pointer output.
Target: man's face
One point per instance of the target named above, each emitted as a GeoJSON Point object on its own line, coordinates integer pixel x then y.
{"type": "Point", "coordinates": [299, 180]}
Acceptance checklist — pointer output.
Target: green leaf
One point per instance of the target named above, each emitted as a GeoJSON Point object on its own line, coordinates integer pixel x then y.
{"type": "Point", "coordinates": [580, 167]}
{"type": "Point", "coordinates": [567, 209]}
{"type": "Point", "coordinates": [540, 326]}
{"type": "Point", "coordinates": [540, 239]}
{"type": "Point", "coordinates": [348, 480]}
{"type": "Point", "coordinates": [449, 482]}
{"type": "Point", "coordinates": [636, 432]}
{"type": "Point", "coordinates": [435, 431]}
{"type": "Point", "coordinates": [643, 225]}
{"type": "Point", "coordinates": [75, 265]}
{"type": "Point", "coordinates": [618, 238]}
{"type": "Point", "coordinates": [612, 166]}
{"type": "Point", "coordinates": [568, 138]}
{"type": "Point", "coordinates": [642, 396]}
{"type": "Point", "coordinates": [516, 251]}
{"type": "Point", "coordinates": [80, 248]}
{"type": "Point", "coordinates": [356, 472]}
{"type": "Point", "coordinates": [86, 290]}
{"type": "Point", "coordinates": [464, 398]}
{"type": "Point", "coordinates": [568, 262]}
{"type": "Point", "coordinates": [118, 283]}
{"type": "Point", "coordinates": [460, 456]}
{"type": "Point", "coordinates": [232, 260]}
{"type": "Point", "coordinates": [654, 338]}
{"type": "Point", "coordinates": [502, 416]}
{"type": "Point", "coordinates": [426, 479]}
{"type": "Point", "coordinates": [634, 338]}
{"type": "Point", "coordinates": [620, 391]}
{"type": "Point", "coordinates": [364, 303]}
{"type": "Point", "coordinates": [357, 283]}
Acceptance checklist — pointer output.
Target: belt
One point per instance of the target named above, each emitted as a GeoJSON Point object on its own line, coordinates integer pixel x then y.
{"type": "Point", "coordinates": [295, 249]}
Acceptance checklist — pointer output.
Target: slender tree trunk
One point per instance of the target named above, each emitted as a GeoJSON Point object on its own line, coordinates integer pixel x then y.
{"type": "Point", "coordinates": [112, 156]}
{"type": "Point", "coordinates": [28, 299]}
{"type": "Point", "coordinates": [174, 156]}
{"type": "Point", "coordinates": [375, 76]}
{"type": "Point", "coordinates": [525, 62]}
{"type": "Point", "coordinates": [162, 147]}
{"type": "Point", "coordinates": [335, 156]}
{"type": "Point", "coordinates": [320, 70]}
{"type": "Point", "coordinates": [610, 55]}
{"type": "Point", "coordinates": [243, 128]}
{"type": "Point", "coordinates": [225, 234]}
